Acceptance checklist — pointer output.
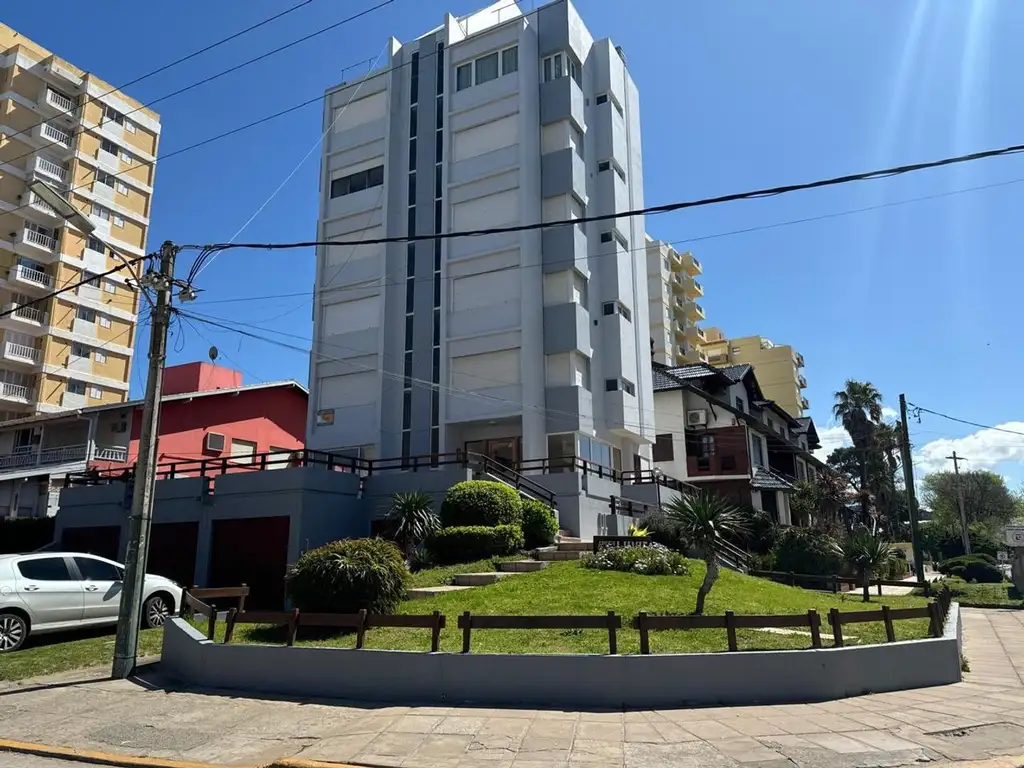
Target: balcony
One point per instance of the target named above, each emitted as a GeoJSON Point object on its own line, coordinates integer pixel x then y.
{"type": "Point", "coordinates": [695, 334]}
{"type": "Point", "coordinates": [72, 400]}
{"type": "Point", "coordinates": [57, 67]}
{"type": "Point", "coordinates": [696, 289]}
{"type": "Point", "coordinates": [111, 453]}
{"type": "Point", "coordinates": [31, 316]}
{"type": "Point", "coordinates": [41, 205]}
{"type": "Point", "coordinates": [58, 136]}
{"type": "Point", "coordinates": [801, 381]}
{"type": "Point", "coordinates": [108, 161]}
{"type": "Point", "coordinates": [58, 100]}
{"type": "Point", "coordinates": [17, 393]}
{"type": "Point", "coordinates": [21, 353]}
{"type": "Point", "coordinates": [36, 239]}
{"type": "Point", "coordinates": [32, 456]}
{"type": "Point", "coordinates": [798, 360]}
{"type": "Point", "coordinates": [805, 403]}
{"type": "Point", "coordinates": [695, 311]}
{"type": "Point", "coordinates": [34, 278]}
{"type": "Point", "coordinates": [51, 171]}
{"type": "Point", "coordinates": [691, 265]}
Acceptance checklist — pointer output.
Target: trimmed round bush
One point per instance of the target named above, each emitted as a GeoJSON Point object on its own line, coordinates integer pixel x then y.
{"type": "Point", "coordinates": [348, 575]}
{"type": "Point", "coordinates": [651, 560]}
{"type": "Point", "coordinates": [481, 502]}
{"type": "Point", "coordinates": [540, 524]}
{"type": "Point", "coordinates": [465, 543]}
{"type": "Point", "coordinates": [972, 568]}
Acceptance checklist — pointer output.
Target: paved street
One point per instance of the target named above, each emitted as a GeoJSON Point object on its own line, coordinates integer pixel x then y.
{"type": "Point", "coordinates": [979, 718]}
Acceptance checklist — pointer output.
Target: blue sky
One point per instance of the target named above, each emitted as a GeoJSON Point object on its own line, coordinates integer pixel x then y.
{"type": "Point", "coordinates": [734, 96]}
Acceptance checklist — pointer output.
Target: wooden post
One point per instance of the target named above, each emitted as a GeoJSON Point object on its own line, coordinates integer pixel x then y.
{"type": "Point", "coordinates": [835, 583]}
{"type": "Point", "coordinates": [467, 628]}
{"type": "Point", "coordinates": [814, 620]}
{"type": "Point", "coordinates": [879, 587]}
{"type": "Point", "coordinates": [890, 632]}
{"type": "Point", "coordinates": [435, 633]}
{"type": "Point", "coordinates": [612, 646]}
{"type": "Point", "coordinates": [837, 627]}
{"type": "Point", "coordinates": [361, 629]}
{"type": "Point", "coordinates": [241, 600]}
{"type": "Point", "coordinates": [645, 637]}
{"type": "Point", "coordinates": [730, 630]}
{"type": "Point", "coordinates": [230, 629]}
{"type": "Point", "coordinates": [936, 618]}
{"type": "Point", "coordinates": [293, 628]}
{"type": "Point", "coordinates": [211, 623]}
{"type": "Point", "coordinates": [792, 579]}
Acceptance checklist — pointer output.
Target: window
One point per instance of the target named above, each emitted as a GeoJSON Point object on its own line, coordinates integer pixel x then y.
{"type": "Point", "coordinates": [127, 157]}
{"type": "Point", "coordinates": [94, 244]}
{"type": "Point", "coordinates": [121, 187]}
{"type": "Point", "coordinates": [611, 385]}
{"type": "Point", "coordinates": [76, 387]}
{"type": "Point", "coordinates": [45, 569]}
{"type": "Point", "coordinates": [80, 350]}
{"type": "Point", "coordinates": [118, 220]}
{"type": "Point", "coordinates": [608, 308]}
{"type": "Point", "coordinates": [102, 177]}
{"type": "Point", "coordinates": [602, 99]}
{"type": "Point", "coordinates": [129, 125]}
{"type": "Point", "coordinates": [628, 388]}
{"type": "Point", "coordinates": [243, 451]}
{"type": "Point", "coordinates": [111, 114]}
{"type": "Point", "coordinates": [86, 314]}
{"type": "Point", "coordinates": [104, 321]}
{"type": "Point", "coordinates": [757, 452]}
{"type": "Point", "coordinates": [99, 357]}
{"type": "Point", "coordinates": [100, 212]}
{"type": "Point", "coordinates": [97, 570]}
{"type": "Point", "coordinates": [801, 470]}
{"type": "Point", "coordinates": [464, 76]}
{"type": "Point", "coordinates": [110, 286]}
{"type": "Point", "coordinates": [510, 60]}
{"type": "Point", "coordinates": [604, 165]}
{"type": "Point", "coordinates": [663, 449]}
{"type": "Point", "coordinates": [108, 146]}
{"type": "Point", "coordinates": [613, 307]}
{"type": "Point", "coordinates": [740, 404]}
{"type": "Point", "coordinates": [606, 237]}
{"type": "Point", "coordinates": [357, 182]}
{"type": "Point", "coordinates": [486, 68]}
{"type": "Point", "coordinates": [95, 393]}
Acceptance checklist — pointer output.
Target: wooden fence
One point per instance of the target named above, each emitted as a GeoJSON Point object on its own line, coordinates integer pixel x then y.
{"type": "Point", "coordinates": [197, 601]}
{"type": "Point", "coordinates": [610, 621]}
{"type": "Point", "coordinates": [887, 615]}
{"type": "Point", "coordinates": [833, 582]}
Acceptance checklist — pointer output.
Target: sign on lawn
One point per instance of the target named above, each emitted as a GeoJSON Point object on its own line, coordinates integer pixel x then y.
{"type": "Point", "coordinates": [615, 542]}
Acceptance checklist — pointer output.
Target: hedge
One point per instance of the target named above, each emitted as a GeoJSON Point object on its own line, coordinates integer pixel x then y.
{"type": "Point", "coordinates": [540, 524]}
{"type": "Point", "coordinates": [348, 575]}
{"type": "Point", "coordinates": [481, 502]}
{"type": "Point", "coordinates": [465, 543]}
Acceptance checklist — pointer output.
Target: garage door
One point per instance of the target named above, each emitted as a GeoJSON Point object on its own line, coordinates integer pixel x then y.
{"type": "Point", "coordinates": [172, 551]}
{"type": "Point", "coordinates": [252, 551]}
{"type": "Point", "coordinates": [101, 540]}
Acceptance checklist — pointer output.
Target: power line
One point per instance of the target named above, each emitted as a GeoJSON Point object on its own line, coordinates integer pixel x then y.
{"type": "Point", "coordinates": [164, 68]}
{"type": "Point", "coordinates": [652, 210]}
{"type": "Point", "coordinates": [687, 240]}
{"type": "Point", "coordinates": [228, 71]}
{"type": "Point", "coordinates": [964, 421]}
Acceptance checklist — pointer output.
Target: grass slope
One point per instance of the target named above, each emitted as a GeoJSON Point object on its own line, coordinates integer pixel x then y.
{"type": "Point", "coordinates": [66, 651]}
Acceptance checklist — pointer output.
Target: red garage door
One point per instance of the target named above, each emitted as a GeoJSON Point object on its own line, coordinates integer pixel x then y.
{"type": "Point", "coordinates": [252, 551]}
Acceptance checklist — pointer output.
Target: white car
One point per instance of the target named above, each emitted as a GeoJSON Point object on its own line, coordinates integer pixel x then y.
{"type": "Point", "coordinates": [54, 591]}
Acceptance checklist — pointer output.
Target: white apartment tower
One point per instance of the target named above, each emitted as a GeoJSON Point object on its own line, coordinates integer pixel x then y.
{"type": "Point", "coordinates": [521, 345]}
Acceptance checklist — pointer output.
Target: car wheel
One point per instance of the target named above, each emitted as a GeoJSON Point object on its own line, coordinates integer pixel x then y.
{"type": "Point", "coordinates": [13, 631]}
{"type": "Point", "coordinates": [156, 611]}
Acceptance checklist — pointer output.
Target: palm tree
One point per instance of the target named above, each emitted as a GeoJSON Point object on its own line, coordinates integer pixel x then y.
{"type": "Point", "coordinates": [866, 554]}
{"type": "Point", "coordinates": [706, 523]}
{"type": "Point", "coordinates": [412, 519]}
{"type": "Point", "coordinates": [859, 408]}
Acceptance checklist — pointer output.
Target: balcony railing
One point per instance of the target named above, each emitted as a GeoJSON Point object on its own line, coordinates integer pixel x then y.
{"type": "Point", "coordinates": [38, 238]}
{"type": "Point", "coordinates": [111, 453]}
{"type": "Point", "coordinates": [59, 100]}
{"type": "Point", "coordinates": [21, 352]}
{"type": "Point", "coordinates": [32, 457]}
{"type": "Point", "coordinates": [56, 135]}
{"type": "Point", "coordinates": [801, 381]}
{"type": "Point", "coordinates": [50, 168]}
{"type": "Point", "coordinates": [19, 391]}
{"type": "Point", "coordinates": [31, 314]}
{"type": "Point", "coordinates": [37, 202]}
{"type": "Point", "coordinates": [29, 275]}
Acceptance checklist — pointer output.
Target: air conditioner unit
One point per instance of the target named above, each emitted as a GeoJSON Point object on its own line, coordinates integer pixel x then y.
{"type": "Point", "coordinates": [696, 418]}
{"type": "Point", "coordinates": [214, 442]}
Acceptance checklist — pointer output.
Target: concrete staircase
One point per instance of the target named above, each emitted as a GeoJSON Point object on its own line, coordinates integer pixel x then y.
{"type": "Point", "coordinates": [565, 549]}
{"type": "Point", "coordinates": [462, 581]}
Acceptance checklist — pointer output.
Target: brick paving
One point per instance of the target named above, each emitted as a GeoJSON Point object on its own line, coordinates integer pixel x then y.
{"type": "Point", "coordinates": [979, 718]}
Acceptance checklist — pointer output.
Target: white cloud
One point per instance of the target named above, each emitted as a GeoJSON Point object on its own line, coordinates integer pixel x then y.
{"type": "Point", "coordinates": [889, 413]}
{"type": "Point", "coordinates": [831, 438]}
{"type": "Point", "coordinates": [984, 449]}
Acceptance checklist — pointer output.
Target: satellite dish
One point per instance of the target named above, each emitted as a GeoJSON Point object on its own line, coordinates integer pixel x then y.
{"type": "Point", "coordinates": [213, 354]}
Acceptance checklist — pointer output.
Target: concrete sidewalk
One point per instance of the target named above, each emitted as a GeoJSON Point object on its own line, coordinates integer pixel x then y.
{"type": "Point", "coordinates": [979, 718]}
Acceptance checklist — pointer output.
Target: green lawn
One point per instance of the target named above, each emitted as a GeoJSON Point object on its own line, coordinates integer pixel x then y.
{"type": "Point", "coordinates": [987, 595]}
{"type": "Point", "coordinates": [63, 652]}
{"type": "Point", "coordinates": [564, 588]}
{"type": "Point", "coordinates": [442, 575]}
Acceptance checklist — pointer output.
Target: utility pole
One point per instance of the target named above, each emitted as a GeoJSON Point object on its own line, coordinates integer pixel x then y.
{"type": "Point", "coordinates": [126, 645]}
{"type": "Point", "coordinates": [960, 500]}
{"type": "Point", "coordinates": [908, 482]}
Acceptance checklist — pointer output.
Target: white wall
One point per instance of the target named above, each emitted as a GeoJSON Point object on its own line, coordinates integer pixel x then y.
{"type": "Point", "coordinates": [499, 209]}
{"type": "Point", "coordinates": [670, 417]}
{"type": "Point", "coordinates": [486, 371]}
{"type": "Point", "coordinates": [360, 111]}
{"type": "Point", "coordinates": [481, 139]}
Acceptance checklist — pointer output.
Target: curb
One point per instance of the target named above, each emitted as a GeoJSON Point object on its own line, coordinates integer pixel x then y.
{"type": "Point", "coordinates": [298, 762]}
{"type": "Point", "coordinates": [96, 758]}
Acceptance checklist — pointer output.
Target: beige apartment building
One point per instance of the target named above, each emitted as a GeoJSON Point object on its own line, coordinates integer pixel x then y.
{"type": "Point", "coordinates": [778, 366]}
{"type": "Point", "coordinates": [672, 292]}
{"type": "Point", "coordinates": [60, 124]}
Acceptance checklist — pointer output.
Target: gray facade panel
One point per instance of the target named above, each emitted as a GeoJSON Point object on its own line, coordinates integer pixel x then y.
{"type": "Point", "coordinates": [487, 164]}
{"type": "Point", "coordinates": [569, 409]}
{"type": "Point", "coordinates": [566, 329]}
{"type": "Point", "coordinates": [562, 173]}
{"type": "Point", "coordinates": [564, 248]}
{"type": "Point", "coordinates": [345, 345]}
{"type": "Point", "coordinates": [552, 28]}
{"type": "Point", "coordinates": [562, 99]}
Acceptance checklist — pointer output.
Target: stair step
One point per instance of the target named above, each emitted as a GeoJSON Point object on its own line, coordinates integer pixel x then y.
{"type": "Point", "coordinates": [554, 554]}
{"type": "Point", "coordinates": [522, 566]}
{"type": "Point", "coordinates": [478, 579]}
{"type": "Point", "coordinates": [575, 546]}
{"type": "Point", "coordinates": [420, 593]}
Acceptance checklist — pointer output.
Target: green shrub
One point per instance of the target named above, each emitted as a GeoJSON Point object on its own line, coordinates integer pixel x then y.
{"type": "Point", "coordinates": [481, 502]}
{"type": "Point", "coordinates": [465, 543]}
{"type": "Point", "coordinates": [540, 524]}
{"type": "Point", "coordinates": [649, 561]}
{"type": "Point", "coordinates": [957, 586]}
{"type": "Point", "coordinates": [663, 530]}
{"type": "Point", "coordinates": [805, 550]}
{"type": "Point", "coordinates": [972, 568]}
{"type": "Point", "coordinates": [349, 575]}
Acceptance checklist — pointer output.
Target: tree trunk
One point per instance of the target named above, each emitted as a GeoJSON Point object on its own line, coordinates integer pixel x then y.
{"type": "Point", "coordinates": [710, 576]}
{"type": "Point", "coordinates": [866, 583]}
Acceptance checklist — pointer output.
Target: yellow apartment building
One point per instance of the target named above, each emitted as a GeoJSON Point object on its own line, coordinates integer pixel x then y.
{"type": "Point", "coordinates": [672, 292]}
{"type": "Point", "coordinates": [97, 147]}
{"type": "Point", "coordinates": [778, 366]}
